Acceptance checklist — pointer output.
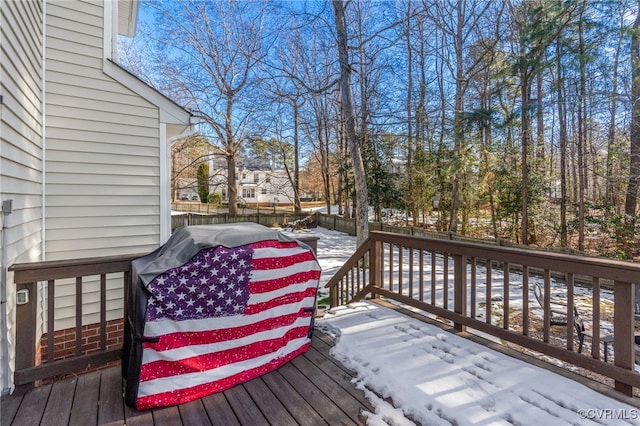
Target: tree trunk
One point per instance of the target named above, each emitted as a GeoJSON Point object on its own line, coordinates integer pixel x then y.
{"type": "Point", "coordinates": [409, 107]}
{"type": "Point", "coordinates": [232, 186]}
{"type": "Point", "coordinates": [296, 165]}
{"type": "Point", "coordinates": [582, 185]}
{"type": "Point", "coordinates": [362, 207]}
{"type": "Point", "coordinates": [526, 142]}
{"type": "Point", "coordinates": [562, 119]}
{"type": "Point", "coordinates": [631, 200]}
{"type": "Point", "coordinates": [540, 123]}
{"type": "Point", "coordinates": [610, 198]}
{"type": "Point", "coordinates": [458, 121]}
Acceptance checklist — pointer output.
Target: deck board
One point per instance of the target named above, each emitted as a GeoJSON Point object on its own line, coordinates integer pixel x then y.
{"type": "Point", "coordinates": [32, 408]}
{"type": "Point", "coordinates": [313, 389]}
{"type": "Point", "coordinates": [9, 408]}
{"type": "Point", "coordinates": [337, 374]}
{"type": "Point", "coordinates": [166, 416]}
{"type": "Point", "coordinates": [219, 410]}
{"type": "Point", "coordinates": [298, 407]}
{"type": "Point", "coordinates": [137, 418]}
{"type": "Point", "coordinates": [84, 409]}
{"type": "Point", "coordinates": [111, 404]}
{"type": "Point", "coordinates": [193, 413]}
{"type": "Point", "coordinates": [273, 410]}
{"type": "Point", "coordinates": [58, 409]}
{"type": "Point", "coordinates": [315, 397]}
{"type": "Point", "coordinates": [245, 408]}
{"type": "Point", "coordinates": [329, 387]}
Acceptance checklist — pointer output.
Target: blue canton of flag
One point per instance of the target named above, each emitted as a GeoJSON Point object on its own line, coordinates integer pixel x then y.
{"type": "Point", "coordinates": [214, 283]}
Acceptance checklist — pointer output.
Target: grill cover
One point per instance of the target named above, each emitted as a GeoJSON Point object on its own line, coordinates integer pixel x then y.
{"type": "Point", "coordinates": [215, 306]}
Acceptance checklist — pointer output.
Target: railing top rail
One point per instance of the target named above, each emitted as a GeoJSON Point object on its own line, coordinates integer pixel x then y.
{"type": "Point", "coordinates": [616, 270]}
{"type": "Point", "coordinates": [59, 269]}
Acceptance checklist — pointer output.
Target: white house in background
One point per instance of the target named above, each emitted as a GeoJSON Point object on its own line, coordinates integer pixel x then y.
{"type": "Point", "coordinates": [84, 146]}
{"type": "Point", "coordinates": [255, 187]}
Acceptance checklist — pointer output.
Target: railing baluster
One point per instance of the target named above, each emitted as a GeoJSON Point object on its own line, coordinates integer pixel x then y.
{"type": "Point", "coordinates": [445, 281]}
{"type": "Point", "coordinates": [391, 249]}
{"type": "Point", "coordinates": [353, 284]}
{"type": "Point", "coordinates": [623, 299]}
{"type": "Point", "coordinates": [547, 306]}
{"type": "Point", "coordinates": [400, 269]}
{"type": "Point", "coordinates": [433, 277]}
{"type": "Point", "coordinates": [359, 272]}
{"type": "Point", "coordinates": [570, 309]}
{"type": "Point", "coordinates": [525, 300]}
{"type": "Point", "coordinates": [505, 297]}
{"type": "Point", "coordinates": [595, 326]}
{"type": "Point", "coordinates": [421, 274]}
{"type": "Point", "coordinates": [78, 316]}
{"type": "Point", "coordinates": [488, 292]}
{"type": "Point", "coordinates": [103, 312]}
{"type": "Point", "coordinates": [473, 287]}
{"type": "Point", "coordinates": [460, 288]}
{"type": "Point", "coordinates": [51, 318]}
{"type": "Point", "coordinates": [410, 272]}
{"type": "Point", "coordinates": [377, 265]}
{"type": "Point", "coordinates": [125, 290]}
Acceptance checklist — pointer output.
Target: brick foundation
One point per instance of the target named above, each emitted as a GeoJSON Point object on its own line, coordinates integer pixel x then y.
{"type": "Point", "coordinates": [65, 342]}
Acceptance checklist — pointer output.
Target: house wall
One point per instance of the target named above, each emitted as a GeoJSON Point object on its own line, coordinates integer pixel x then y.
{"type": "Point", "coordinates": [21, 148]}
{"type": "Point", "coordinates": [102, 194]}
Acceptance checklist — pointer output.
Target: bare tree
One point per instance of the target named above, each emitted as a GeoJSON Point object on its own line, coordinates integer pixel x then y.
{"type": "Point", "coordinates": [362, 207]}
{"type": "Point", "coordinates": [210, 55]}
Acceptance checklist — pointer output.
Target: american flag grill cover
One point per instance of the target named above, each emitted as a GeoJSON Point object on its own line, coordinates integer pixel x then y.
{"type": "Point", "coordinates": [228, 314]}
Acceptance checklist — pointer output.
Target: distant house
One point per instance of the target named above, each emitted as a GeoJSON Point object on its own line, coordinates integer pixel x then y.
{"type": "Point", "coordinates": [84, 145]}
{"type": "Point", "coordinates": [255, 187]}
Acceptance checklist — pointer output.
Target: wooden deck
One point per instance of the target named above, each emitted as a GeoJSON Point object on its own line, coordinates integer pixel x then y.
{"type": "Point", "coordinates": [313, 389]}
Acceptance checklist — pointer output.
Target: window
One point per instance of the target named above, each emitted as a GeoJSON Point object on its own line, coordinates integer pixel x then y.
{"type": "Point", "coordinates": [248, 193]}
{"type": "Point", "coordinates": [256, 178]}
{"type": "Point", "coordinates": [263, 191]}
{"type": "Point", "coordinates": [267, 179]}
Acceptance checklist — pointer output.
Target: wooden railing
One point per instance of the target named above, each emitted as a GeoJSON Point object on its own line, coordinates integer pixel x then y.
{"type": "Point", "coordinates": [477, 286]}
{"type": "Point", "coordinates": [28, 367]}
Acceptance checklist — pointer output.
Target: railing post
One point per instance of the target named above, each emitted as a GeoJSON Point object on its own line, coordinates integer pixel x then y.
{"type": "Point", "coordinates": [623, 299]}
{"type": "Point", "coordinates": [26, 331]}
{"type": "Point", "coordinates": [375, 274]}
{"type": "Point", "coordinates": [459, 288]}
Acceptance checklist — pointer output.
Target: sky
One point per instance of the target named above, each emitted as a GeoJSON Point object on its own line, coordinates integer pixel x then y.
{"type": "Point", "coordinates": [437, 378]}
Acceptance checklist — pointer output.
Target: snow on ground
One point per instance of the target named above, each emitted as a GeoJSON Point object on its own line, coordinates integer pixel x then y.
{"type": "Point", "coordinates": [437, 378]}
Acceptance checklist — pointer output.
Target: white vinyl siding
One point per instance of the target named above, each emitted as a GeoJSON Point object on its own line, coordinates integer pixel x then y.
{"type": "Point", "coordinates": [103, 158]}
{"type": "Point", "coordinates": [103, 165]}
{"type": "Point", "coordinates": [21, 150]}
